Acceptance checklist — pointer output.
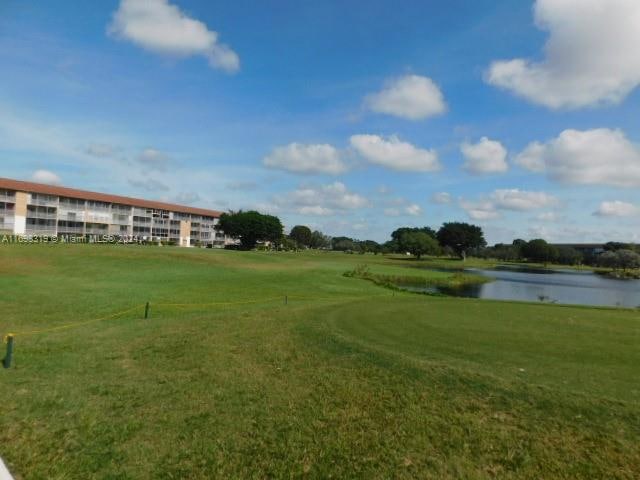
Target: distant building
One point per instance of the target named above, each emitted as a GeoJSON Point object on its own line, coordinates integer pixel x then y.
{"type": "Point", "coordinates": [584, 248]}
{"type": "Point", "coordinates": [28, 208]}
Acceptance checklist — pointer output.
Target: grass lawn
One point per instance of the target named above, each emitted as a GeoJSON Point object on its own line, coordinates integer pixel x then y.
{"type": "Point", "coordinates": [347, 380]}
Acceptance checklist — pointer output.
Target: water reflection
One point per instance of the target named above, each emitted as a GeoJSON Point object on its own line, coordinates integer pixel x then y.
{"type": "Point", "coordinates": [556, 286]}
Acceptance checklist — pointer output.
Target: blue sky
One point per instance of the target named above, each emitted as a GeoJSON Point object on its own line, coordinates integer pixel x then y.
{"type": "Point", "coordinates": [351, 117]}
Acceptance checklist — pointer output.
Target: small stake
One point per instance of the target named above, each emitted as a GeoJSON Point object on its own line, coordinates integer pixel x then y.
{"type": "Point", "coordinates": [146, 311]}
{"type": "Point", "coordinates": [286, 300]}
{"type": "Point", "coordinates": [6, 361]}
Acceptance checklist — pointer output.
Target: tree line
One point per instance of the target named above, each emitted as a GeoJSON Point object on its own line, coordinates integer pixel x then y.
{"type": "Point", "coordinates": [451, 239]}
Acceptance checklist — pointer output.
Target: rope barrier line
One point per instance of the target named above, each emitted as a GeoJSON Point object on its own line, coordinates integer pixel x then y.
{"type": "Point", "coordinates": [180, 305]}
{"type": "Point", "coordinates": [211, 304]}
{"type": "Point", "coordinates": [71, 325]}
{"type": "Point", "coordinates": [10, 337]}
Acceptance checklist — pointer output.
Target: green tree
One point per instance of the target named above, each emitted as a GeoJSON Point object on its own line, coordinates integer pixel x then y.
{"type": "Point", "coordinates": [369, 246]}
{"type": "Point", "coordinates": [461, 237]}
{"type": "Point", "coordinates": [396, 234]}
{"type": "Point", "coordinates": [615, 246]}
{"type": "Point", "coordinates": [627, 259]}
{"type": "Point", "coordinates": [250, 227]}
{"type": "Point", "coordinates": [418, 244]}
{"type": "Point", "coordinates": [538, 250]}
{"type": "Point", "coordinates": [569, 256]}
{"type": "Point", "coordinates": [320, 240]}
{"type": "Point", "coordinates": [343, 244]}
{"type": "Point", "coordinates": [301, 235]}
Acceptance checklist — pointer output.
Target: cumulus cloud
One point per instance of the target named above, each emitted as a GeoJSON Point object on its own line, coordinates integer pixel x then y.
{"type": "Point", "coordinates": [161, 27]}
{"type": "Point", "coordinates": [154, 159]}
{"type": "Point", "coordinates": [590, 57]}
{"type": "Point", "coordinates": [395, 154]}
{"type": "Point", "coordinates": [322, 200]}
{"type": "Point", "coordinates": [532, 157]}
{"type": "Point", "coordinates": [599, 156]}
{"type": "Point", "coordinates": [412, 209]}
{"type": "Point", "coordinates": [45, 176]}
{"type": "Point", "coordinates": [617, 208]}
{"type": "Point", "coordinates": [520, 200]}
{"type": "Point", "coordinates": [490, 206]}
{"type": "Point", "coordinates": [299, 158]}
{"type": "Point", "coordinates": [441, 198]}
{"type": "Point", "coordinates": [486, 156]}
{"type": "Point", "coordinates": [413, 97]}
{"type": "Point", "coordinates": [481, 210]}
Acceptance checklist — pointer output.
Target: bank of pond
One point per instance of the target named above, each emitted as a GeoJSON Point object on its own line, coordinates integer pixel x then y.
{"type": "Point", "coordinates": [519, 283]}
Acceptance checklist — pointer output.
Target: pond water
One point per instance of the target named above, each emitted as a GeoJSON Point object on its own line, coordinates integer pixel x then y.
{"type": "Point", "coordinates": [557, 286]}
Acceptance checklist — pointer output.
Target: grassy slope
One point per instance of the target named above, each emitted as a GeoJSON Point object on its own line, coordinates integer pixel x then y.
{"type": "Point", "coordinates": [393, 385]}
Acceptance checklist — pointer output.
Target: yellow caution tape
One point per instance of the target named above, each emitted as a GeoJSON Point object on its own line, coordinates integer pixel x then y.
{"type": "Point", "coordinates": [75, 324]}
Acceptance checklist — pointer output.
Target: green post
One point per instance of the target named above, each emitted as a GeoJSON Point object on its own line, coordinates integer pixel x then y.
{"type": "Point", "coordinates": [6, 361]}
{"type": "Point", "coordinates": [146, 311]}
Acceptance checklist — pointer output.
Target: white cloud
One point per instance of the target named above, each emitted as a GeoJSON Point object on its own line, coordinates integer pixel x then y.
{"type": "Point", "coordinates": [395, 154]}
{"type": "Point", "coordinates": [441, 198]}
{"type": "Point", "coordinates": [322, 200]}
{"type": "Point", "coordinates": [412, 97]}
{"type": "Point", "coordinates": [486, 156]}
{"type": "Point", "coordinates": [617, 208]}
{"type": "Point", "coordinates": [482, 210]}
{"type": "Point", "coordinates": [514, 199]}
{"type": "Point", "coordinates": [299, 158]}
{"type": "Point", "coordinates": [599, 156]}
{"type": "Point", "coordinates": [413, 210]}
{"type": "Point", "coordinates": [45, 176]}
{"type": "Point", "coordinates": [489, 207]}
{"type": "Point", "coordinates": [591, 55]}
{"type": "Point", "coordinates": [532, 157]}
{"type": "Point", "coordinates": [163, 28]}
{"type": "Point", "coordinates": [315, 210]}
{"type": "Point", "coordinates": [154, 159]}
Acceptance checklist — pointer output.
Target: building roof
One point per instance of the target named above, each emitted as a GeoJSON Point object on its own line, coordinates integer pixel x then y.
{"type": "Point", "coordinates": [44, 189]}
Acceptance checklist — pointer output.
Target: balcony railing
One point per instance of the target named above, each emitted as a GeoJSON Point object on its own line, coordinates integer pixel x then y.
{"type": "Point", "coordinates": [42, 216]}
{"type": "Point", "coordinates": [39, 230]}
{"type": "Point", "coordinates": [7, 198]}
{"type": "Point", "coordinates": [43, 202]}
{"type": "Point", "coordinates": [68, 230]}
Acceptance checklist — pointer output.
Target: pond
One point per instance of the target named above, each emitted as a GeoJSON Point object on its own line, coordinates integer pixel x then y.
{"type": "Point", "coordinates": [555, 286]}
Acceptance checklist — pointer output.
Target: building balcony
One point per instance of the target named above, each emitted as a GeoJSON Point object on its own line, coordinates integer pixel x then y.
{"type": "Point", "coordinates": [43, 202]}
{"type": "Point", "coordinates": [42, 216]}
{"type": "Point", "coordinates": [97, 231]}
{"type": "Point", "coordinates": [70, 230]}
{"type": "Point", "coordinates": [39, 230]}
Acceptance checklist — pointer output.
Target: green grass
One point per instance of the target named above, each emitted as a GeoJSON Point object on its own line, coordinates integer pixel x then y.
{"type": "Point", "coordinates": [348, 380]}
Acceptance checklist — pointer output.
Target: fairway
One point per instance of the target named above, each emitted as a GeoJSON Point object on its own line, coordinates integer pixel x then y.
{"type": "Point", "coordinates": [276, 365]}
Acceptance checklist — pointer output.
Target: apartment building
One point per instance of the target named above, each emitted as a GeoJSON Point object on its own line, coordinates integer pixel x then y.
{"type": "Point", "coordinates": [28, 208]}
